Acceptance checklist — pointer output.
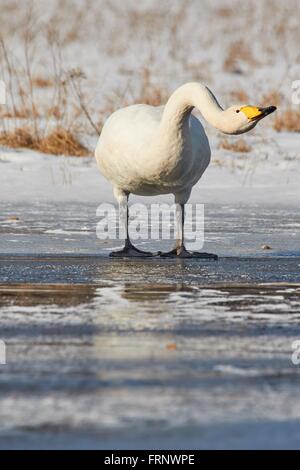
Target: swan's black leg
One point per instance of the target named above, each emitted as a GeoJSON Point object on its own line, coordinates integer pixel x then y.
{"type": "Point", "coordinates": [129, 250]}
{"type": "Point", "coordinates": [180, 251]}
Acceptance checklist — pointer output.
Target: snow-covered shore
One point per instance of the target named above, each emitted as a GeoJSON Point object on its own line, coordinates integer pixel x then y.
{"type": "Point", "coordinates": [267, 175]}
{"type": "Point", "coordinates": [120, 45]}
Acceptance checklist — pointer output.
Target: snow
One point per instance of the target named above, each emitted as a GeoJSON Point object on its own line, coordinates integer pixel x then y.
{"type": "Point", "coordinates": [268, 176]}
{"type": "Point", "coordinates": [114, 43]}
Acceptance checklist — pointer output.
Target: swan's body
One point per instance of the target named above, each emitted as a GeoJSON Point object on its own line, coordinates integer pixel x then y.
{"type": "Point", "coordinates": [148, 150]}
{"type": "Point", "coordinates": [136, 154]}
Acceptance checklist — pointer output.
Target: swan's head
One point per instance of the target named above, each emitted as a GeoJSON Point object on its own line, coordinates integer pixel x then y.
{"type": "Point", "coordinates": [242, 118]}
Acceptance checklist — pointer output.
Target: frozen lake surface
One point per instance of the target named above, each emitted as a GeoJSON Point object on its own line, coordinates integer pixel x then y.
{"type": "Point", "coordinates": [152, 353]}
{"type": "Point", "coordinates": [70, 228]}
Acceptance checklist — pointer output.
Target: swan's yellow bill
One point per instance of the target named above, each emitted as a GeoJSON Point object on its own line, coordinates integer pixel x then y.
{"type": "Point", "coordinates": [252, 112]}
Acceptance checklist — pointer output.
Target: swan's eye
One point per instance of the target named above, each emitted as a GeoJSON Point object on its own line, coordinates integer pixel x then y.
{"type": "Point", "coordinates": [237, 111]}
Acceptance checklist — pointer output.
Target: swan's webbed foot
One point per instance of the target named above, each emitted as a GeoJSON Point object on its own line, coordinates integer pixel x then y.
{"type": "Point", "coordinates": [130, 251]}
{"type": "Point", "coordinates": [182, 252]}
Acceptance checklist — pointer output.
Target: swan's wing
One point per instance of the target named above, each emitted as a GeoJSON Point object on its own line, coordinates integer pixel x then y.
{"type": "Point", "coordinates": [125, 139]}
{"type": "Point", "coordinates": [200, 150]}
{"type": "Point", "coordinates": [133, 125]}
{"type": "Point", "coordinates": [200, 143]}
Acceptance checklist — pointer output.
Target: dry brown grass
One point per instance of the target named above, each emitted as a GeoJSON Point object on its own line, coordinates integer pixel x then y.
{"type": "Point", "coordinates": [240, 96]}
{"type": "Point", "coordinates": [42, 94]}
{"type": "Point", "coordinates": [149, 93]}
{"type": "Point", "coordinates": [23, 112]}
{"type": "Point", "coordinates": [42, 82]}
{"type": "Point", "coordinates": [48, 126]}
{"type": "Point", "coordinates": [57, 142]}
{"type": "Point", "coordinates": [272, 98]}
{"type": "Point", "coordinates": [145, 20]}
{"type": "Point", "coordinates": [62, 142]}
{"type": "Point", "coordinates": [238, 51]}
{"type": "Point", "coordinates": [55, 112]}
{"type": "Point", "coordinates": [239, 145]}
{"type": "Point", "coordinates": [17, 138]}
{"type": "Point", "coordinates": [288, 120]}
{"type": "Point", "coordinates": [224, 12]}
{"type": "Point", "coordinates": [198, 71]}
{"type": "Point", "coordinates": [153, 96]}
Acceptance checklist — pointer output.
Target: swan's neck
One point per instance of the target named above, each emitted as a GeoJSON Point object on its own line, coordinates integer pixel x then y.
{"type": "Point", "coordinates": [184, 99]}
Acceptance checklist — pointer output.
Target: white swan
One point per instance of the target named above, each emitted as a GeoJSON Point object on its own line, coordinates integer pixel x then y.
{"type": "Point", "coordinates": [148, 150]}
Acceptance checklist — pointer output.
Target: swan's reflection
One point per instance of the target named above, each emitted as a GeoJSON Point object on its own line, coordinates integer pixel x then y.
{"type": "Point", "coordinates": [138, 321]}
{"type": "Point", "coordinates": [148, 271]}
